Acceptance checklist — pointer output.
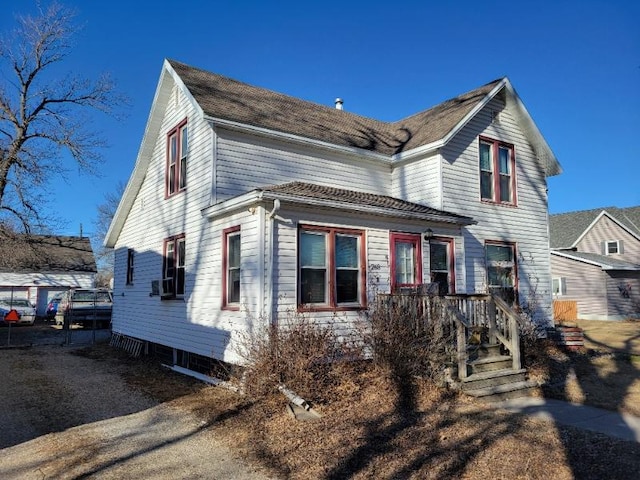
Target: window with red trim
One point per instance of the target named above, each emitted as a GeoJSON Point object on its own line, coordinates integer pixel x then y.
{"type": "Point", "coordinates": [406, 260]}
{"type": "Point", "coordinates": [502, 269]}
{"type": "Point", "coordinates": [231, 267]}
{"type": "Point", "coordinates": [497, 167]}
{"type": "Point", "coordinates": [441, 265]}
{"type": "Point", "coordinates": [130, 260]}
{"type": "Point", "coordinates": [173, 269]}
{"type": "Point", "coordinates": [331, 268]}
{"type": "Point", "coordinates": [177, 150]}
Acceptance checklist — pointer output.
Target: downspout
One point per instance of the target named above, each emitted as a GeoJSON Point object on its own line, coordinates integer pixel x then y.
{"type": "Point", "coordinates": [272, 229]}
{"type": "Point", "coordinates": [260, 303]}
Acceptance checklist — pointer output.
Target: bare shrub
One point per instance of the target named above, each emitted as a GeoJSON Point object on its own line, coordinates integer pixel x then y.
{"type": "Point", "coordinates": [296, 352]}
{"type": "Point", "coordinates": [409, 335]}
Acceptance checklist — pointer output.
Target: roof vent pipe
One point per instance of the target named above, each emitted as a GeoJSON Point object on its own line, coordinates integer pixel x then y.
{"type": "Point", "coordinates": [339, 103]}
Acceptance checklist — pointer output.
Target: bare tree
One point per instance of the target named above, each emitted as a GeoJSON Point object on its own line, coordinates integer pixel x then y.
{"type": "Point", "coordinates": [43, 115]}
{"type": "Point", "coordinates": [104, 256]}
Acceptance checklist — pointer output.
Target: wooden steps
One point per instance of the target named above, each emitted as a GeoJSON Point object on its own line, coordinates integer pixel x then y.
{"type": "Point", "coordinates": [491, 375]}
{"type": "Point", "coordinates": [568, 336]}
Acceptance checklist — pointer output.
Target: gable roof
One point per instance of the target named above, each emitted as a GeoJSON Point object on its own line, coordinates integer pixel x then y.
{"type": "Point", "coordinates": [223, 98]}
{"type": "Point", "coordinates": [566, 229]}
{"type": "Point", "coordinates": [45, 253]}
{"type": "Point", "coordinates": [233, 104]}
{"type": "Point", "coordinates": [603, 261]}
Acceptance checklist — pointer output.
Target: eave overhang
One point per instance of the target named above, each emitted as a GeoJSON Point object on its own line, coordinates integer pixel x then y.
{"type": "Point", "coordinates": [255, 197]}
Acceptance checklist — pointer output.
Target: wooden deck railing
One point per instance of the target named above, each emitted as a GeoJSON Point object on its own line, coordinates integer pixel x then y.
{"type": "Point", "coordinates": [487, 316]}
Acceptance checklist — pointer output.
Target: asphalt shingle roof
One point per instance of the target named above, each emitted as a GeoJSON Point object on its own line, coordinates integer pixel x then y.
{"type": "Point", "coordinates": [45, 253]}
{"type": "Point", "coordinates": [309, 190]}
{"type": "Point", "coordinates": [227, 99]}
{"type": "Point", "coordinates": [604, 261]}
{"type": "Point", "coordinates": [566, 228]}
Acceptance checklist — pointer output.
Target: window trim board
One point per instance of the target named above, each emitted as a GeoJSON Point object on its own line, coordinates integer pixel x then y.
{"type": "Point", "coordinates": [495, 172]}
{"type": "Point", "coordinates": [175, 239]}
{"type": "Point", "coordinates": [177, 130]}
{"type": "Point", "coordinates": [415, 238]}
{"type": "Point", "coordinates": [332, 305]}
{"type": "Point", "coordinates": [226, 233]}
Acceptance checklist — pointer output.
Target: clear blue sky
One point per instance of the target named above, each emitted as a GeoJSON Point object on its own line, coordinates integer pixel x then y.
{"type": "Point", "coordinates": [575, 64]}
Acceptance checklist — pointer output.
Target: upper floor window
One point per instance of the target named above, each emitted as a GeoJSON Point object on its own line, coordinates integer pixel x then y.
{"type": "Point", "coordinates": [173, 269]}
{"type": "Point", "coordinates": [502, 272]}
{"type": "Point", "coordinates": [497, 167]}
{"type": "Point", "coordinates": [130, 258]}
{"type": "Point", "coordinates": [612, 247]}
{"type": "Point", "coordinates": [331, 267]}
{"type": "Point", "coordinates": [231, 268]}
{"type": "Point", "coordinates": [406, 260]}
{"type": "Point", "coordinates": [177, 149]}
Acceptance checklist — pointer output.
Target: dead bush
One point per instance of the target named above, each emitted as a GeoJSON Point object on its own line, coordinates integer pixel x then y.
{"type": "Point", "coordinates": [297, 353]}
{"type": "Point", "coordinates": [408, 334]}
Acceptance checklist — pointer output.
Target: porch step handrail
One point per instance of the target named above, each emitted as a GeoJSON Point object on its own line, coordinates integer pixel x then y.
{"type": "Point", "coordinates": [490, 312]}
{"type": "Point", "coordinates": [509, 334]}
{"type": "Point", "coordinates": [468, 314]}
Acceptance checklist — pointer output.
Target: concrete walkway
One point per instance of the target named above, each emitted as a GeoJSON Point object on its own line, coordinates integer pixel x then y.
{"type": "Point", "coordinates": [614, 424]}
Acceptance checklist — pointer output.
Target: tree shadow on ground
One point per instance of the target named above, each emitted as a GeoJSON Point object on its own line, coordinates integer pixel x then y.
{"type": "Point", "coordinates": [582, 377]}
{"type": "Point", "coordinates": [423, 438]}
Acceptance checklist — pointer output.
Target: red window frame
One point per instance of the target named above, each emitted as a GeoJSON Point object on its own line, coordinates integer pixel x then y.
{"type": "Point", "coordinates": [514, 253]}
{"type": "Point", "coordinates": [179, 265]}
{"type": "Point", "coordinates": [416, 240]}
{"type": "Point", "coordinates": [227, 304]}
{"type": "Point", "coordinates": [176, 160]}
{"type": "Point", "coordinates": [451, 259]}
{"type": "Point", "coordinates": [130, 265]}
{"type": "Point", "coordinates": [496, 174]}
{"type": "Point", "coordinates": [331, 282]}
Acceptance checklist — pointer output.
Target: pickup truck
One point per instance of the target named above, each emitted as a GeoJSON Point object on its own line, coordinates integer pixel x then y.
{"type": "Point", "coordinates": [84, 306]}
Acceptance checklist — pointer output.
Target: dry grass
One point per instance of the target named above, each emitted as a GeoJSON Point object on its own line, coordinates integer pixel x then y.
{"type": "Point", "coordinates": [605, 374]}
{"type": "Point", "coordinates": [380, 427]}
{"type": "Point", "coordinates": [377, 426]}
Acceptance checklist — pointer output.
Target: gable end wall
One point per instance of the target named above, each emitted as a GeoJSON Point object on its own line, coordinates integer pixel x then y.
{"type": "Point", "coordinates": [525, 224]}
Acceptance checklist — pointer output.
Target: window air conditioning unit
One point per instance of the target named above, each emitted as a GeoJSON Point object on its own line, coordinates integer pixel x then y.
{"type": "Point", "coordinates": [166, 290]}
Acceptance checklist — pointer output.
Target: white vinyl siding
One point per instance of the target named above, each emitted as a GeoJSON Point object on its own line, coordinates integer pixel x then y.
{"type": "Point", "coordinates": [223, 164]}
{"type": "Point", "coordinates": [524, 224]}
{"type": "Point", "coordinates": [195, 323]}
{"type": "Point", "coordinates": [245, 162]}
{"type": "Point", "coordinates": [419, 181]}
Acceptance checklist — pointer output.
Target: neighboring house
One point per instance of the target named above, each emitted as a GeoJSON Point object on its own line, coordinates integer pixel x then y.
{"type": "Point", "coordinates": [37, 267]}
{"type": "Point", "coordinates": [595, 260]}
{"type": "Point", "coordinates": [247, 205]}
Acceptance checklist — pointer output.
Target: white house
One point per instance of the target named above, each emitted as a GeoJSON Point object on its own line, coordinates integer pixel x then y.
{"type": "Point", "coordinates": [246, 204]}
{"type": "Point", "coordinates": [37, 267]}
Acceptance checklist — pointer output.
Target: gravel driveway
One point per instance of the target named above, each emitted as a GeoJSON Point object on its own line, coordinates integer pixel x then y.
{"type": "Point", "coordinates": [69, 416]}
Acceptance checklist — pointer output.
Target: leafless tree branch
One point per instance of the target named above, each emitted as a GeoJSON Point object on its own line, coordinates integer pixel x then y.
{"type": "Point", "coordinates": [42, 118]}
